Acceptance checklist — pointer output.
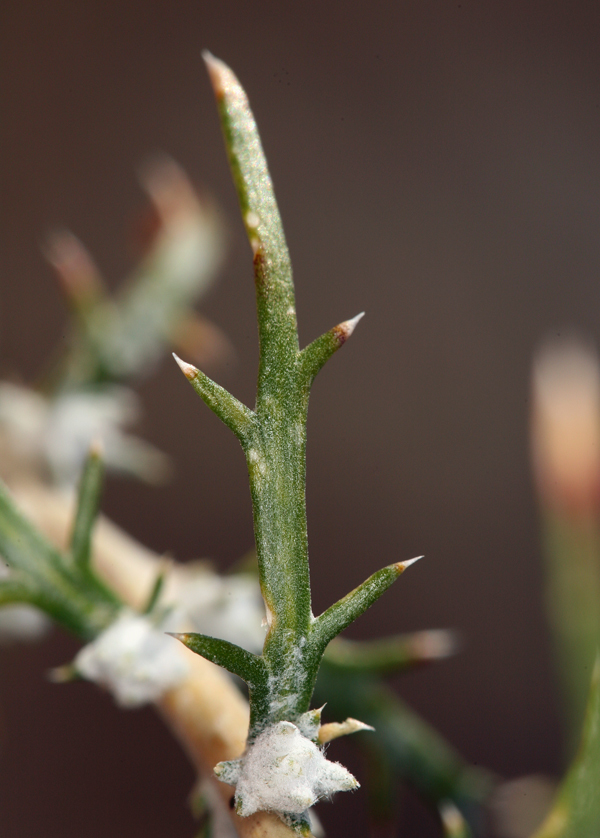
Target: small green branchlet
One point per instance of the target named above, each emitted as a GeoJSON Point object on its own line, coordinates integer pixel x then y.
{"type": "Point", "coordinates": [63, 585]}
{"type": "Point", "coordinates": [273, 436]}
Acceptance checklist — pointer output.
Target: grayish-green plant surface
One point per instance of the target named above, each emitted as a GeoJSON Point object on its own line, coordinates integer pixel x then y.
{"type": "Point", "coordinates": [282, 679]}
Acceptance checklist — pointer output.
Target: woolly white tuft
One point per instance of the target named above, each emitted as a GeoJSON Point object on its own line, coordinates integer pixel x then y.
{"type": "Point", "coordinates": [133, 659]}
{"type": "Point", "coordinates": [283, 772]}
{"type": "Point", "coordinates": [229, 607]}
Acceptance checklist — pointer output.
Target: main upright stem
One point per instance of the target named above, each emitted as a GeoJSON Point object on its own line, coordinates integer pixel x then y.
{"type": "Point", "coordinates": [276, 447]}
{"type": "Point", "coordinates": [273, 437]}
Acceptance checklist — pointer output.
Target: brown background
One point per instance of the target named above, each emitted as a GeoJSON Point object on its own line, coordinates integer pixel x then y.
{"type": "Point", "coordinates": [437, 164]}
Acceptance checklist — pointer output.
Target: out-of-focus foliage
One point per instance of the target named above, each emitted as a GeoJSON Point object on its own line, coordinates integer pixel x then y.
{"type": "Point", "coordinates": [576, 812]}
{"type": "Point", "coordinates": [115, 339]}
{"type": "Point", "coordinates": [566, 459]}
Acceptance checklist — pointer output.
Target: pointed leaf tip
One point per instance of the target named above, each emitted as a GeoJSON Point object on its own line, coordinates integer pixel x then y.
{"type": "Point", "coordinates": [188, 370]}
{"type": "Point", "coordinates": [401, 566]}
{"type": "Point", "coordinates": [343, 330]}
{"type": "Point", "coordinates": [334, 730]}
{"type": "Point", "coordinates": [350, 325]}
{"type": "Point", "coordinates": [220, 74]}
{"type": "Point", "coordinates": [183, 638]}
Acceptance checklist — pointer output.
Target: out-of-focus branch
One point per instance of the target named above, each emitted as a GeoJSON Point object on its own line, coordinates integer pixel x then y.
{"type": "Point", "coordinates": [206, 712]}
{"type": "Point", "coordinates": [566, 458]}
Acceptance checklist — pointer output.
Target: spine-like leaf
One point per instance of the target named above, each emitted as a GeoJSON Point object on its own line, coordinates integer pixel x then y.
{"type": "Point", "coordinates": [314, 356]}
{"type": "Point", "coordinates": [404, 747]}
{"type": "Point", "coordinates": [346, 610]}
{"type": "Point", "coordinates": [76, 600]}
{"type": "Point", "coordinates": [246, 665]}
{"type": "Point", "coordinates": [230, 411]}
{"type": "Point", "coordinates": [391, 654]}
{"type": "Point", "coordinates": [90, 489]}
{"type": "Point", "coordinates": [156, 591]}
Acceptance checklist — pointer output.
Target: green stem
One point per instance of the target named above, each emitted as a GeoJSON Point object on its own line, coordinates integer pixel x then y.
{"type": "Point", "coordinates": [275, 451]}
{"type": "Point", "coordinates": [90, 489]}
{"type": "Point", "coordinates": [273, 438]}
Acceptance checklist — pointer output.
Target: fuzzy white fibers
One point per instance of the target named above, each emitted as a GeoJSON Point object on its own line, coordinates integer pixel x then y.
{"type": "Point", "coordinates": [132, 658]}
{"type": "Point", "coordinates": [283, 772]}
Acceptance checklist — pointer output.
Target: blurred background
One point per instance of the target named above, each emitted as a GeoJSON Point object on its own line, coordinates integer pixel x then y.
{"type": "Point", "coordinates": [437, 166]}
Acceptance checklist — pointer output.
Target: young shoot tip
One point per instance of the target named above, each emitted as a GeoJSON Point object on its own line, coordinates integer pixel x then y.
{"type": "Point", "coordinates": [188, 370]}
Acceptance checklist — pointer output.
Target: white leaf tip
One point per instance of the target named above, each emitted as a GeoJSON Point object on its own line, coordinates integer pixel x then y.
{"type": "Point", "coordinates": [346, 328]}
{"type": "Point", "coordinates": [401, 566]}
{"type": "Point", "coordinates": [187, 369]}
{"type": "Point", "coordinates": [220, 74]}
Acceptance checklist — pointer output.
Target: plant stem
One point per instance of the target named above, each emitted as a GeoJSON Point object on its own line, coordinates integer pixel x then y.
{"type": "Point", "coordinates": [276, 447]}
{"type": "Point", "coordinates": [273, 437]}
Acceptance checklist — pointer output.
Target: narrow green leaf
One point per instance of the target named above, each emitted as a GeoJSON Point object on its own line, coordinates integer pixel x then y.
{"type": "Point", "coordinates": [576, 812]}
{"type": "Point", "coordinates": [15, 591]}
{"type": "Point", "coordinates": [404, 747]}
{"type": "Point", "coordinates": [314, 356]}
{"type": "Point", "coordinates": [246, 665]}
{"type": "Point", "coordinates": [391, 654]}
{"type": "Point", "coordinates": [70, 595]}
{"type": "Point", "coordinates": [156, 591]}
{"type": "Point", "coordinates": [21, 545]}
{"type": "Point", "coordinates": [231, 412]}
{"type": "Point", "coordinates": [90, 489]}
{"type": "Point", "coordinates": [339, 616]}
{"type": "Point", "coordinates": [571, 545]}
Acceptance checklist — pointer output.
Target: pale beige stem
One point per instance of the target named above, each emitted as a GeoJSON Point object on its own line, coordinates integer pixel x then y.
{"type": "Point", "coordinates": [206, 712]}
